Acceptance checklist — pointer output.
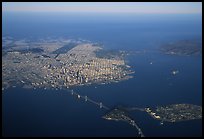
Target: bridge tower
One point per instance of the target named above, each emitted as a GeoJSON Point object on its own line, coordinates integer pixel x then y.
{"type": "Point", "coordinates": [100, 104]}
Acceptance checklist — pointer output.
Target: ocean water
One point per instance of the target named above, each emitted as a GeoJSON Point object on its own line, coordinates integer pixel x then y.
{"type": "Point", "coordinates": [28, 112]}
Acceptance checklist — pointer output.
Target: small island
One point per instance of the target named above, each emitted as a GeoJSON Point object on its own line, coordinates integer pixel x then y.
{"type": "Point", "coordinates": [119, 114]}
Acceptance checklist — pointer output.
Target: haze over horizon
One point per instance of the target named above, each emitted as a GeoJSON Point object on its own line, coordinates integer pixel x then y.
{"type": "Point", "coordinates": [106, 7]}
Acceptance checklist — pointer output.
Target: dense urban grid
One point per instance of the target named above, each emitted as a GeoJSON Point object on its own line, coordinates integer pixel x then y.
{"type": "Point", "coordinates": [59, 64]}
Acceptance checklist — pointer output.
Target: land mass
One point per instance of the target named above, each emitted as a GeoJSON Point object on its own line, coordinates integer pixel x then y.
{"type": "Point", "coordinates": [60, 64]}
{"type": "Point", "coordinates": [176, 112]}
{"type": "Point", "coordinates": [183, 47]}
{"type": "Point", "coordinates": [170, 113]}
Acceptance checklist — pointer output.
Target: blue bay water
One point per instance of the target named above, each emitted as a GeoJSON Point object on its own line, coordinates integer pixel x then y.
{"type": "Point", "coordinates": [56, 113]}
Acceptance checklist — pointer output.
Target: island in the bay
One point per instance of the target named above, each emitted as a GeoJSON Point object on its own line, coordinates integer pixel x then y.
{"type": "Point", "coordinates": [60, 63]}
{"type": "Point", "coordinates": [169, 113]}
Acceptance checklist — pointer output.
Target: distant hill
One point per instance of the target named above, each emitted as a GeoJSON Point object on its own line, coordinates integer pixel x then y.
{"type": "Point", "coordinates": [183, 47]}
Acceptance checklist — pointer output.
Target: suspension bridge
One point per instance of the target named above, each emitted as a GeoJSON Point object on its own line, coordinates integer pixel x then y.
{"type": "Point", "coordinates": [102, 106]}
